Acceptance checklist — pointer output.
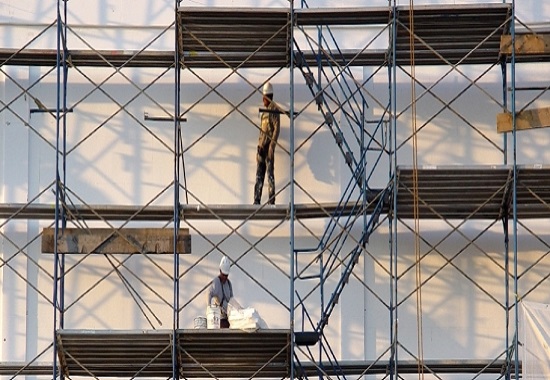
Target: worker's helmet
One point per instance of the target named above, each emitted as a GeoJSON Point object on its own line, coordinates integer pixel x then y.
{"type": "Point", "coordinates": [225, 265]}
{"type": "Point", "coordinates": [267, 89]}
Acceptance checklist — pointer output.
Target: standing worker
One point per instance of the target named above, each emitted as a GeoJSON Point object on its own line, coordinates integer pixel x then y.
{"type": "Point", "coordinates": [270, 128]}
{"type": "Point", "coordinates": [220, 292]}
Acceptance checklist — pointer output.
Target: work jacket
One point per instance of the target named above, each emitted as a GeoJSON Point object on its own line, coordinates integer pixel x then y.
{"type": "Point", "coordinates": [270, 128]}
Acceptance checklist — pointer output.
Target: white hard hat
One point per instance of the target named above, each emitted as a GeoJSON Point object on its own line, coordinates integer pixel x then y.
{"type": "Point", "coordinates": [267, 89]}
{"type": "Point", "coordinates": [225, 265]}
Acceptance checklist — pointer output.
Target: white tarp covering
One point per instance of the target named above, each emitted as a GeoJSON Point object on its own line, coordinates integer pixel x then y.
{"type": "Point", "coordinates": [534, 338]}
{"type": "Point", "coordinates": [246, 319]}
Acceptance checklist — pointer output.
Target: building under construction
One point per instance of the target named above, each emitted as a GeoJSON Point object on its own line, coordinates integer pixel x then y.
{"type": "Point", "coordinates": [409, 235]}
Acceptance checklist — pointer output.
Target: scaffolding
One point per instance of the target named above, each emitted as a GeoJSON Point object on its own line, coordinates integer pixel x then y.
{"type": "Point", "coordinates": [335, 105]}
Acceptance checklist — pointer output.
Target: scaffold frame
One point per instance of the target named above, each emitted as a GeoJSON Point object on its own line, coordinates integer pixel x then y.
{"type": "Point", "coordinates": [300, 40]}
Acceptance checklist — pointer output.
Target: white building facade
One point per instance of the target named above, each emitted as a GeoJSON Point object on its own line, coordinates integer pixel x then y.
{"type": "Point", "coordinates": [377, 281]}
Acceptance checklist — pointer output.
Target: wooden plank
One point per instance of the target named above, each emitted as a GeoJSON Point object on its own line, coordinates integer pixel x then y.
{"type": "Point", "coordinates": [526, 44]}
{"type": "Point", "coordinates": [528, 119]}
{"type": "Point", "coordinates": [113, 241]}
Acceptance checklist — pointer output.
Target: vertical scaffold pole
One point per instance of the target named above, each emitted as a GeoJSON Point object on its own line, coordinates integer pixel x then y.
{"type": "Point", "coordinates": [392, 73]}
{"type": "Point", "coordinates": [177, 153]}
{"type": "Point", "coordinates": [514, 202]}
{"type": "Point", "coordinates": [506, 229]}
{"type": "Point", "coordinates": [322, 279]}
{"type": "Point", "coordinates": [60, 175]}
{"type": "Point", "coordinates": [505, 106]}
{"type": "Point", "coordinates": [291, 170]}
{"type": "Point", "coordinates": [505, 225]}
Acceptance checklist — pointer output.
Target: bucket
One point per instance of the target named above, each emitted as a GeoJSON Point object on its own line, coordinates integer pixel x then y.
{"type": "Point", "coordinates": [200, 323]}
{"type": "Point", "coordinates": [213, 317]}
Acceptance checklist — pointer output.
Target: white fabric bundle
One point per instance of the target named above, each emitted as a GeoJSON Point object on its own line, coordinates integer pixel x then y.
{"type": "Point", "coordinates": [246, 319]}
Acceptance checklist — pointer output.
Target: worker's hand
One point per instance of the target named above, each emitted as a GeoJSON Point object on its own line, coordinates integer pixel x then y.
{"type": "Point", "coordinates": [215, 301]}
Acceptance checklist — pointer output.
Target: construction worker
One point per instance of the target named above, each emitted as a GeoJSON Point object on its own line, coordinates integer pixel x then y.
{"type": "Point", "coordinates": [220, 292]}
{"type": "Point", "coordinates": [265, 158]}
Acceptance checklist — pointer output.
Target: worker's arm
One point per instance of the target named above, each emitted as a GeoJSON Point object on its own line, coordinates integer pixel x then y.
{"type": "Point", "coordinates": [276, 129]}
{"type": "Point", "coordinates": [213, 293]}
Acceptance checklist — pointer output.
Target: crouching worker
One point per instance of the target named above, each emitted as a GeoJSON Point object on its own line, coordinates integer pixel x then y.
{"type": "Point", "coordinates": [220, 292]}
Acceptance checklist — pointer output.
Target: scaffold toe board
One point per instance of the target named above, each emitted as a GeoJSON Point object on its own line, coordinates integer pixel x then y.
{"type": "Point", "coordinates": [530, 46]}
{"type": "Point", "coordinates": [116, 241]}
{"type": "Point", "coordinates": [115, 353]}
{"type": "Point", "coordinates": [524, 120]}
{"type": "Point", "coordinates": [234, 353]}
{"type": "Point", "coordinates": [479, 192]}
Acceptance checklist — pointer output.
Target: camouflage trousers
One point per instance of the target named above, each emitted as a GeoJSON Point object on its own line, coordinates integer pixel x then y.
{"type": "Point", "coordinates": [264, 163]}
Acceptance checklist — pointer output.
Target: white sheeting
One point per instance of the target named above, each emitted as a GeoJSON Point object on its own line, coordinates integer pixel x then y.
{"type": "Point", "coordinates": [534, 338]}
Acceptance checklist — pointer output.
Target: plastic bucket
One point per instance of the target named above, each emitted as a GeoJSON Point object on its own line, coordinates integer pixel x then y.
{"type": "Point", "coordinates": [200, 323]}
{"type": "Point", "coordinates": [213, 317]}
